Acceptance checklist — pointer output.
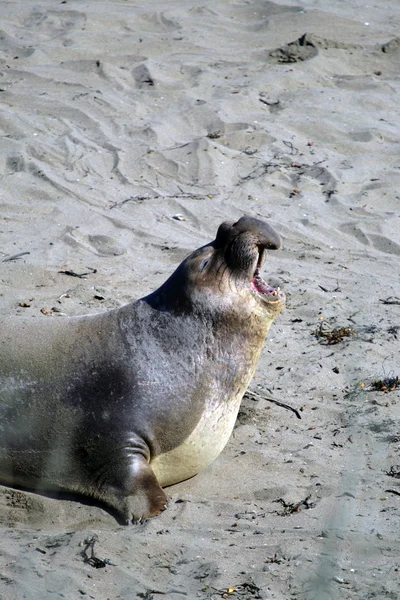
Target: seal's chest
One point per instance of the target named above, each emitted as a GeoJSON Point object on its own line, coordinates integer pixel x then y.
{"type": "Point", "coordinates": [202, 446]}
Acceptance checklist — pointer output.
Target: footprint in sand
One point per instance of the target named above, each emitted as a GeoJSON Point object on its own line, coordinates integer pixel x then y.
{"type": "Point", "coordinates": [10, 48]}
{"type": "Point", "coordinates": [155, 22]}
{"type": "Point", "coordinates": [101, 245]}
{"type": "Point", "coordinates": [378, 241]}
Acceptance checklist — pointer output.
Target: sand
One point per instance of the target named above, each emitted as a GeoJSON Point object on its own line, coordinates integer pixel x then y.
{"type": "Point", "coordinates": [119, 116]}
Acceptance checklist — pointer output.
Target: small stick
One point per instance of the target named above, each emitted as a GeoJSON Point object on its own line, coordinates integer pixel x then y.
{"type": "Point", "coordinates": [258, 396]}
{"type": "Point", "coordinates": [79, 275]}
{"type": "Point", "coordinates": [15, 256]}
{"type": "Point", "coordinates": [390, 300]}
{"type": "Point", "coordinates": [393, 492]}
{"type": "Point", "coordinates": [269, 103]}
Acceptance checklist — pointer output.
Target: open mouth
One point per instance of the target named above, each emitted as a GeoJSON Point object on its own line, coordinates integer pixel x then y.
{"type": "Point", "coordinates": [260, 286]}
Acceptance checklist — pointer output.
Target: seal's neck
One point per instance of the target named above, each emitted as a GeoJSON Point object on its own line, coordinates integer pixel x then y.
{"type": "Point", "coordinates": [225, 319]}
{"type": "Point", "coordinates": [168, 298]}
{"type": "Point", "coordinates": [233, 311]}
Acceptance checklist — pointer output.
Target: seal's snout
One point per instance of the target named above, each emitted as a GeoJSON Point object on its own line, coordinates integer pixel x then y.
{"type": "Point", "coordinates": [244, 244]}
{"type": "Point", "coordinates": [267, 236]}
{"type": "Point", "coordinates": [263, 234]}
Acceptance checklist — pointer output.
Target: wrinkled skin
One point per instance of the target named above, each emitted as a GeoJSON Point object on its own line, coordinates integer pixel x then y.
{"type": "Point", "coordinates": [115, 406]}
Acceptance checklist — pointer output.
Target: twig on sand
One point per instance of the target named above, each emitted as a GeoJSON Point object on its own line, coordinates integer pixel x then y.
{"type": "Point", "coordinates": [390, 300]}
{"type": "Point", "coordinates": [15, 256]}
{"type": "Point", "coordinates": [80, 275]}
{"type": "Point", "coordinates": [269, 398]}
{"type": "Point", "coordinates": [393, 492]}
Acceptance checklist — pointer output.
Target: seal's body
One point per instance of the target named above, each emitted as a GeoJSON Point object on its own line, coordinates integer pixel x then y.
{"type": "Point", "coordinates": [116, 405]}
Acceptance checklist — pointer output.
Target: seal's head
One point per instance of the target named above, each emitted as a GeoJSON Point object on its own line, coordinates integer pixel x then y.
{"type": "Point", "coordinates": [225, 275]}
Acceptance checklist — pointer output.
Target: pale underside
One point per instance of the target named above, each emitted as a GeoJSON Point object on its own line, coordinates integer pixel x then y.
{"type": "Point", "coordinates": [203, 445]}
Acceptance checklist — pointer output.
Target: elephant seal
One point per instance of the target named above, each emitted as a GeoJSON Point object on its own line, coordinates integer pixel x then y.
{"type": "Point", "coordinates": [114, 406]}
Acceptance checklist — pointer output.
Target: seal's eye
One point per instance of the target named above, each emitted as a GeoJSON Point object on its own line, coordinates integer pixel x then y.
{"type": "Point", "coordinates": [203, 264]}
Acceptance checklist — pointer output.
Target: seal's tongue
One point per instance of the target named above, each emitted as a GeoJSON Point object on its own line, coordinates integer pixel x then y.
{"type": "Point", "coordinates": [259, 285]}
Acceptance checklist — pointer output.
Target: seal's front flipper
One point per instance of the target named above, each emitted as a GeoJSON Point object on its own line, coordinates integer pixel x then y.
{"type": "Point", "coordinates": [140, 496]}
{"type": "Point", "coordinates": [145, 497]}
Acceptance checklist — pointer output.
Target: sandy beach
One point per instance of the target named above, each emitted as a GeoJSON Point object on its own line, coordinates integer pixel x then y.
{"type": "Point", "coordinates": [129, 132]}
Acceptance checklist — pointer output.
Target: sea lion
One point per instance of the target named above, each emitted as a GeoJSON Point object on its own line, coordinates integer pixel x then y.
{"type": "Point", "coordinates": [114, 406]}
